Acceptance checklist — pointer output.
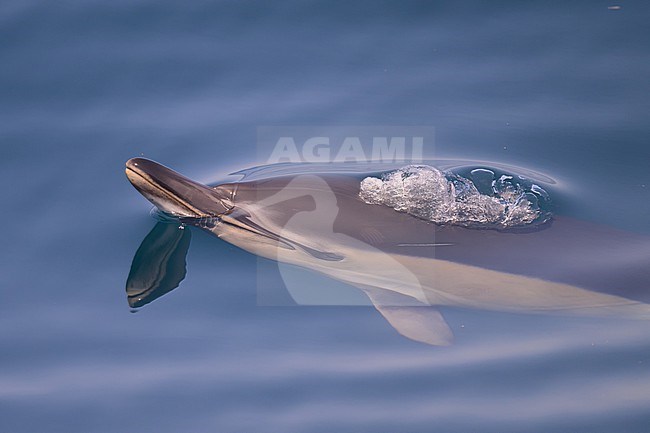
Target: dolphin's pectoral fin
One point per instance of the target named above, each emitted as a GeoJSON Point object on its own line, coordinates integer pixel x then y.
{"type": "Point", "coordinates": [423, 324]}
{"type": "Point", "coordinates": [410, 317]}
{"type": "Point", "coordinates": [158, 266]}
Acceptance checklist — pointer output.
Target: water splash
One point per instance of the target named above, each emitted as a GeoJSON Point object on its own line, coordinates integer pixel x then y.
{"type": "Point", "coordinates": [483, 198]}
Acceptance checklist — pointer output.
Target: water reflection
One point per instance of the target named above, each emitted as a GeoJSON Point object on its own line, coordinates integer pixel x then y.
{"type": "Point", "coordinates": [158, 266]}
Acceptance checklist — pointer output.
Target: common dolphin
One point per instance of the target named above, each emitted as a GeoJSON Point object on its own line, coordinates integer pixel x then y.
{"type": "Point", "coordinates": [407, 266]}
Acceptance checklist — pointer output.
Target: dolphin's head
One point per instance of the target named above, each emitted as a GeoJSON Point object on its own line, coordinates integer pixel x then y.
{"type": "Point", "coordinates": [210, 208]}
{"type": "Point", "coordinates": [174, 193]}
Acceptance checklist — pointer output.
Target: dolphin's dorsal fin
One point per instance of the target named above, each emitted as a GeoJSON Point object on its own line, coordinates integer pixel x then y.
{"type": "Point", "coordinates": [410, 317]}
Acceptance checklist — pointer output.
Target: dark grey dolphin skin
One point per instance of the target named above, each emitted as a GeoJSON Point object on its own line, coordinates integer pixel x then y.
{"type": "Point", "coordinates": [406, 265]}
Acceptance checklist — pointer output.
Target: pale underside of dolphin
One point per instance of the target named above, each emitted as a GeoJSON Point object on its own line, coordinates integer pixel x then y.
{"type": "Point", "coordinates": [406, 266]}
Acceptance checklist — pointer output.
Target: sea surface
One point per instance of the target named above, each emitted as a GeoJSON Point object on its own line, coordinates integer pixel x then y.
{"type": "Point", "coordinates": [559, 88]}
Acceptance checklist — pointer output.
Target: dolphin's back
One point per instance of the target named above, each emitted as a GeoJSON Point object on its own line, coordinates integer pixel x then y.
{"type": "Point", "coordinates": [566, 251]}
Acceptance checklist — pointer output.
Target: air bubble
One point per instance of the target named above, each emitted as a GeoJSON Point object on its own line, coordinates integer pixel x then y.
{"type": "Point", "coordinates": [484, 201]}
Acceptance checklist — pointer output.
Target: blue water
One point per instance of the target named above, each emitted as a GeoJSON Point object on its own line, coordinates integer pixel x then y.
{"type": "Point", "coordinates": [561, 89]}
